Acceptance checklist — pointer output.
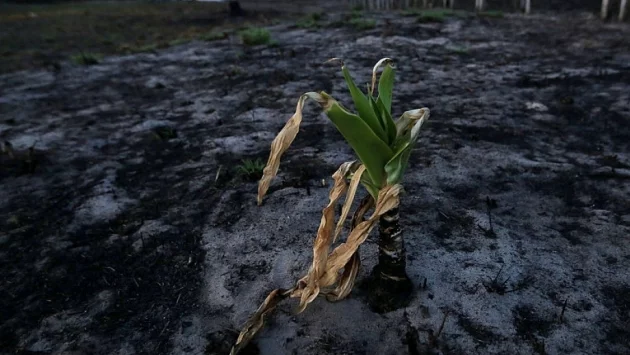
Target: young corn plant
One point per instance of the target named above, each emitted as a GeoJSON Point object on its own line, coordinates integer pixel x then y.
{"type": "Point", "coordinates": [383, 146]}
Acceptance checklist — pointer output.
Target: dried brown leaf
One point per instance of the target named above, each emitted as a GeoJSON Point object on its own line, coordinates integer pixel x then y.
{"type": "Point", "coordinates": [257, 320]}
{"type": "Point", "coordinates": [388, 199]}
{"type": "Point", "coordinates": [354, 184]}
{"type": "Point", "coordinates": [324, 238]}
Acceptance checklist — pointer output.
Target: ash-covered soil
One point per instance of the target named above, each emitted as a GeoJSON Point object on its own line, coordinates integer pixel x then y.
{"type": "Point", "coordinates": [129, 230]}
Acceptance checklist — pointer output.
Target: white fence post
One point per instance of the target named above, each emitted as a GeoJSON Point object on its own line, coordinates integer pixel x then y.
{"type": "Point", "coordinates": [604, 13]}
{"type": "Point", "coordinates": [479, 5]}
{"type": "Point", "coordinates": [528, 7]}
{"type": "Point", "coordinates": [622, 9]}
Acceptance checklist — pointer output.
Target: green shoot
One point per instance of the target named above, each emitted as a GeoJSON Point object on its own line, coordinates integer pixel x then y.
{"type": "Point", "coordinates": [251, 169]}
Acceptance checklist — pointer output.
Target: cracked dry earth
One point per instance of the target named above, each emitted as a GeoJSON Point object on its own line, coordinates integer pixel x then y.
{"type": "Point", "coordinates": [129, 231]}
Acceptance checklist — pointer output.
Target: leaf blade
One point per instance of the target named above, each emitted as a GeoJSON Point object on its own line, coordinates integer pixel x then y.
{"type": "Point", "coordinates": [373, 152]}
{"type": "Point", "coordinates": [386, 87]}
{"type": "Point", "coordinates": [363, 106]}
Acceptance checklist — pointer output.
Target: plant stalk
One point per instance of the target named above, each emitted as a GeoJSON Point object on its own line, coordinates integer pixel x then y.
{"type": "Point", "coordinates": [391, 245]}
{"type": "Point", "coordinates": [390, 287]}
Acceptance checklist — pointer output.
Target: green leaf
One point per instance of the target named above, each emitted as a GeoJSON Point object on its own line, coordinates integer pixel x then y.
{"type": "Point", "coordinates": [362, 104]}
{"type": "Point", "coordinates": [370, 149]}
{"type": "Point", "coordinates": [396, 167]}
{"type": "Point", "coordinates": [387, 121]}
{"type": "Point", "coordinates": [386, 87]}
{"type": "Point", "coordinates": [408, 130]}
{"type": "Point", "coordinates": [369, 185]}
{"type": "Point", "coordinates": [377, 112]}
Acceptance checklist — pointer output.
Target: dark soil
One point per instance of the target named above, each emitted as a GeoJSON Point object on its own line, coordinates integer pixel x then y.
{"type": "Point", "coordinates": [128, 229]}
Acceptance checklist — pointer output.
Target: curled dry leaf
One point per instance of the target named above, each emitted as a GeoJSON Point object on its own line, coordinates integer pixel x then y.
{"type": "Point", "coordinates": [256, 322]}
{"type": "Point", "coordinates": [325, 236]}
{"type": "Point", "coordinates": [320, 253]}
{"type": "Point", "coordinates": [388, 199]}
{"type": "Point", "coordinates": [279, 145]}
{"type": "Point", "coordinates": [282, 142]}
{"type": "Point", "coordinates": [354, 184]}
{"type": "Point", "coordinates": [324, 272]}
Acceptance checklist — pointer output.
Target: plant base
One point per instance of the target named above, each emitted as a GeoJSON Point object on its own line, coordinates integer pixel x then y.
{"type": "Point", "coordinates": [386, 295]}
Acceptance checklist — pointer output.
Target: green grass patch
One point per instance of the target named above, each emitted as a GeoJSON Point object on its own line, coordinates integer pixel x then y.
{"type": "Point", "coordinates": [86, 58]}
{"type": "Point", "coordinates": [251, 169]}
{"type": "Point", "coordinates": [493, 14]}
{"type": "Point", "coordinates": [310, 21]}
{"type": "Point", "coordinates": [362, 24]}
{"type": "Point", "coordinates": [411, 12]}
{"type": "Point", "coordinates": [356, 13]}
{"type": "Point", "coordinates": [428, 18]}
{"type": "Point", "coordinates": [307, 23]}
{"type": "Point", "coordinates": [152, 47]}
{"type": "Point", "coordinates": [35, 35]}
{"type": "Point", "coordinates": [438, 15]}
{"type": "Point", "coordinates": [179, 41]}
{"type": "Point", "coordinates": [213, 36]}
{"type": "Point", "coordinates": [254, 36]}
{"type": "Point", "coordinates": [459, 50]}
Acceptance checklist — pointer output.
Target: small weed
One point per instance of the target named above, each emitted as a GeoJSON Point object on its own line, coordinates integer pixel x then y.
{"type": "Point", "coordinates": [254, 36]}
{"type": "Point", "coordinates": [460, 50]}
{"type": "Point", "coordinates": [234, 70]}
{"type": "Point", "coordinates": [362, 24]}
{"type": "Point", "coordinates": [501, 287]}
{"type": "Point", "coordinates": [564, 308]}
{"type": "Point", "coordinates": [49, 38]}
{"type": "Point", "coordinates": [251, 169]}
{"type": "Point", "coordinates": [316, 16]}
{"type": "Point", "coordinates": [213, 36]}
{"type": "Point", "coordinates": [307, 22]}
{"type": "Point", "coordinates": [436, 15]}
{"type": "Point", "coordinates": [164, 133]}
{"type": "Point", "coordinates": [428, 18]}
{"type": "Point", "coordinates": [490, 205]}
{"type": "Point", "coordinates": [411, 13]}
{"type": "Point", "coordinates": [356, 13]}
{"type": "Point", "coordinates": [13, 220]}
{"type": "Point", "coordinates": [86, 59]}
{"type": "Point", "coordinates": [146, 48]}
{"type": "Point", "coordinates": [494, 14]}
{"type": "Point", "coordinates": [178, 41]}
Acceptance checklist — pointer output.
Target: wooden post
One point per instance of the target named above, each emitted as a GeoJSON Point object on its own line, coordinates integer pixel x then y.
{"type": "Point", "coordinates": [604, 13]}
{"type": "Point", "coordinates": [622, 10]}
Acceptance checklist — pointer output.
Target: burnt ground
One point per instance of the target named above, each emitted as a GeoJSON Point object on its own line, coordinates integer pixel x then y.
{"type": "Point", "coordinates": [129, 230]}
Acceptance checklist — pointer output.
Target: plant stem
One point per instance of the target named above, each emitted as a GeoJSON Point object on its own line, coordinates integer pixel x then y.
{"type": "Point", "coordinates": [392, 255]}
{"type": "Point", "coordinates": [390, 288]}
